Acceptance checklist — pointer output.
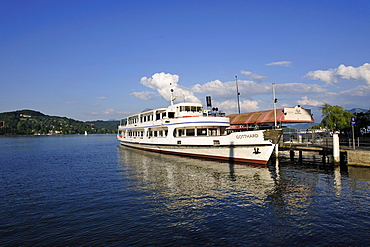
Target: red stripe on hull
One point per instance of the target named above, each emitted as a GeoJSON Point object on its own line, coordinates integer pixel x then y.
{"type": "Point", "coordinates": [261, 162]}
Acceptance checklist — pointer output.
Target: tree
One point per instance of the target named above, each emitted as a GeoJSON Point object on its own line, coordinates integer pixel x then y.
{"type": "Point", "coordinates": [335, 117]}
{"type": "Point", "coordinates": [363, 119]}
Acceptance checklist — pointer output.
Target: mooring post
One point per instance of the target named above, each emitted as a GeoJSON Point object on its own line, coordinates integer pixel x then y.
{"type": "Point", "coordinates": [336, 152]}
{"type": "Point", "coordinates": [291, 155]}
{"type": "Point", "coordinates": [277, 150]}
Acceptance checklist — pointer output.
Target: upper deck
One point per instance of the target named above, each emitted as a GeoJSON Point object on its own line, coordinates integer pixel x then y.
{"type": "Point", "coordinates": [180, 110]}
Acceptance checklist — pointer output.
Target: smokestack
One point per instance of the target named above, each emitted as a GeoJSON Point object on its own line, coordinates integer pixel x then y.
{"type": "Point", "coordinates": [208, 100]}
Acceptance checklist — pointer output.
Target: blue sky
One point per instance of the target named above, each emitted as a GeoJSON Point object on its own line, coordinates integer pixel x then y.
{"type": "Point", "coordinates": [92, 60]}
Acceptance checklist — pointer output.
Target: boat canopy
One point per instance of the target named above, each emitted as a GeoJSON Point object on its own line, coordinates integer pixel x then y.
{"type": "Point", "coordinates": [295, 114]}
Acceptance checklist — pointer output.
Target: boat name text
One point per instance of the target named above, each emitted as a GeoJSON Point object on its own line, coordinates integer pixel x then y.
{"type": "Point", "coordinates": [246, 136]}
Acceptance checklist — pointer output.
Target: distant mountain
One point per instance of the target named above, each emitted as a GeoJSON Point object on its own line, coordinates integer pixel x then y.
{"type": "Point", "coordinates": [300, 125]}
{"type": "Point", "coordinates": [358, 110]}
{"type": "Point", "coordinates": [30, 122]}
{"type": "Point", "coordinates": [111, 125]}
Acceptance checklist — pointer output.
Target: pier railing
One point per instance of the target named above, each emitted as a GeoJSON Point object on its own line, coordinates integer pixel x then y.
{"type": "Point", "coordinates": [315, 138]}
{"type": "Point", "coordinates": [337, 149]}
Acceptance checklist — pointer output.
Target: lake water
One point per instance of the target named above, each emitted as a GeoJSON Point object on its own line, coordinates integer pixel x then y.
{"type": "Point", "coordinates": [87, 191]}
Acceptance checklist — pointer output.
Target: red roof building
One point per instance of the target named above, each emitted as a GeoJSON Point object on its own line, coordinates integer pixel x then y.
{"type": "Point", "coordinates": [295, 114]}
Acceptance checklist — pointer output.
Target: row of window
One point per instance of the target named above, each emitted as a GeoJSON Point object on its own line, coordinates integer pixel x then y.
{"type": "Point", "coordinates": [147, 118]}
{"type": "Point", "coordinates": [160, 115]}
{"type": "Point", "coordinates": [191, 108]}
{"type": "Point", "coordinates": [163, 132]}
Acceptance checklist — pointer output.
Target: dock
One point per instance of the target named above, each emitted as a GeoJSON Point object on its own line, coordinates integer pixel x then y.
{"type": "Point", "coordinates": [351, 156]}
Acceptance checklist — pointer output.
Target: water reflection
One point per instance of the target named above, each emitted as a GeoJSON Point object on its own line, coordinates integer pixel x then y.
{"type": "Point", "coordinates": [195, 181]}
{"type": "Point", "coordinates": [199, 183]}
{"type": "Point", "coordinates": [337, 180]}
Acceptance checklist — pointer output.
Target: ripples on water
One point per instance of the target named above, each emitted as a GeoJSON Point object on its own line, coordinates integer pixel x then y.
{"type": "Point", "coordinates": [84, 190]}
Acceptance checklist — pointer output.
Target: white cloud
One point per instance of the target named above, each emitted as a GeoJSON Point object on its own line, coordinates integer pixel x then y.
{"type": "Point", "coordinates": [254, 76]}
{"type": "Point", "coordinates": [300, 88]}
{"type": "Point", "coordinates": [249, 105]}
{"type": "Point", "coordinates": [281, 63]}
{"type": "Point", "coordinates": [331, 76]}
{"type": "Point", "coordinates": [224, 93]}
{"type": "Point", "coordinates": [305, 101]}
{"type": "Point", "coordinates": [358, 96]}
{"type": "Point", "coordinates": [327, 76]}
{"type": "Point", "coordinates": [230, 106]}
{"type": "Point", "coordinates": [101, 97]}
{"type": "Point", "coordinates": [223, 90]}
{"type": "Point", "coordinates": [215, 88]}
{"type": "Point", "coordinates": [359, 91]}
{"type": "Point", "coordinates": [248, 73]}
{"type": "Point", "coordinates": [163, 83]}
{"type": "Point", "coordinates": [145, 95]}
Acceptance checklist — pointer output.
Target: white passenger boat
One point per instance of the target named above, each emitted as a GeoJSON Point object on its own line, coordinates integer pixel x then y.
{"type": "Point", "coordinates": [189, 129]}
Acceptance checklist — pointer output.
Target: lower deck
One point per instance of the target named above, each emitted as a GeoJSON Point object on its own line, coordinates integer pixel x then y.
{"type": "Point", "coordinates": [259, 154]}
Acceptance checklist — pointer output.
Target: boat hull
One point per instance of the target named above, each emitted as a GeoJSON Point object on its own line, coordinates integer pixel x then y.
{"type": "Point", "coordinates": [258, 154]}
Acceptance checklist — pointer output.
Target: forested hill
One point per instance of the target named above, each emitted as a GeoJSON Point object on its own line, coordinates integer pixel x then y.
{"type": "Point", "coordinates": [29, 122]}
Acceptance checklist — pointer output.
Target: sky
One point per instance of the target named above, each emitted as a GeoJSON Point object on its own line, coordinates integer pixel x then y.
{"type": "Point", "coordinates": [104, 60]}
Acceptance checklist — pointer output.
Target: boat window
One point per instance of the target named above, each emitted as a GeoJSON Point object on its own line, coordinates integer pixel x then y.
{"type": "Point", "coordinates": [212, 131]}
{"type": "Point", "coordinates": [171, 115]}
{"type": "Point", "coordinates": [190, 132]}
{"type": "Point", "coordinates": [201, 132]}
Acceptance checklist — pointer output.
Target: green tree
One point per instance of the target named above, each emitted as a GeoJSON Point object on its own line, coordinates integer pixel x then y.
{"type": "Point", "coordinates": [363, 119]}
{"type": "Point", "coordinates": [335, 117]}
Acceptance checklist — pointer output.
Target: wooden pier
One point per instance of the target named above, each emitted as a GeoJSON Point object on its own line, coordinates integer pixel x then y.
{"type": "Point", "coordinates": [358, 156]}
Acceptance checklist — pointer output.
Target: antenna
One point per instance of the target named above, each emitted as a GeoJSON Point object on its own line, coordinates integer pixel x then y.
{"type": "Point", "coordinates": [275, 101]}
{"type": "Point", "coordinates": [237, 92]}
{"type": "Point", "coordinates": [172, 97]}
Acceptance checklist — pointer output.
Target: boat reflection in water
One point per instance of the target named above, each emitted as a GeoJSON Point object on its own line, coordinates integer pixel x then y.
{"type": "Point", "coordinates": [191, 179]}
{"type": "Point", "coordinates": [206, 182]}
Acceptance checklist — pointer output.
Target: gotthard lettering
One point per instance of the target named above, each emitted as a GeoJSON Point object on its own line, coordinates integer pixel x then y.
{"type": "Point", "coordinates": [246, 136]}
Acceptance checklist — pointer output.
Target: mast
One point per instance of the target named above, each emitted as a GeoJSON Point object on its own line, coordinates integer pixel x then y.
{"type": "Point", "coordinates": [275, 101]}
{"type": "Point", "coordinates": [237, 92]}
{"type": "Point", "coordinates": [276, 145]}
{"type": "Point", "coordinates": [172, 97]}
